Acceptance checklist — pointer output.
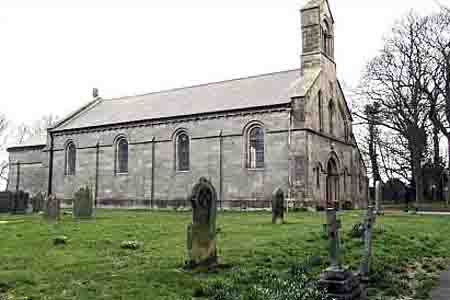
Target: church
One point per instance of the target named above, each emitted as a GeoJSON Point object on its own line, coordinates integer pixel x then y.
{"type": "Point", "coordinates": [288, 130]}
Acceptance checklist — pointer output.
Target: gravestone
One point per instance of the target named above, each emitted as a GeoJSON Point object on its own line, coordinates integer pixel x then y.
{"type": "Point", "coordinates": [20, 201]}
{"type": "Point", "coordinates": [38, 202]}
{"type": "Point", "coordinates": [378, 197]}
{"type": "Point", "coordinates": [278, 207]}
{"type": "Point", "coordinates": [201, 234]}
{"type": "Point", "coordinates": [340, 283]}
{"type": "Point", "coordinates": [5, 202]}
{"type": "Point", "coordinates": [52, 208]}
{"type": "Point", "coordinates": [365, 264]}
{"type": "Point", "coordinates": [83, 204]}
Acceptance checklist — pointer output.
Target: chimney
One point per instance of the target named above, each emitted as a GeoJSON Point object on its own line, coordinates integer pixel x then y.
{"type": "Point", "coordinates": [95, 93]}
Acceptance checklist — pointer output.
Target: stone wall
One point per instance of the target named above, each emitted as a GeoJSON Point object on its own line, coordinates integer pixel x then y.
{"type": "Point", "coordinates": [135, 188]}
{"type": "Point", "coordinates": [31, 163]}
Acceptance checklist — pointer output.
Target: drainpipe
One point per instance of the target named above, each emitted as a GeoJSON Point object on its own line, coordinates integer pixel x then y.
{"type": "Point", "coordinates": [220, 170]}
{"type": "Point", "coordinates": [18, 177]}
{"type": "Point", "coordinates": [50, 166]}
{"type": "Point", "coordinates": [97, 154]}
{"type": "Point", "coordinates": [152, 195]}
{"type": "Point", "coordinates": [289, 154]}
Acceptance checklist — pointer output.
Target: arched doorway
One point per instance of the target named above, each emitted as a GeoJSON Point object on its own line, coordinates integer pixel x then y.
{"type": "Point", "coordinates": [332, 184]}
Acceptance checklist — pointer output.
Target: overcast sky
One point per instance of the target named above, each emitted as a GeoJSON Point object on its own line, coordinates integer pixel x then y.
{"type": "Point", "coordinates": [54, 52]}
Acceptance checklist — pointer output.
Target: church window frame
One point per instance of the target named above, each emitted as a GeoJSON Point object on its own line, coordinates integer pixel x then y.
{"type": "Point", "coordinates": [255, 147]}
{"type": "Point", "coordinates": [70, 158]}
{"type": "Point", "coordinates": [318, 177]}
{"type": "Point", "coordinates": [122, 154]}
{"type": "Point", "coordinates": [182, 151]}
{"type": "Point", "coordinates": [331, 116]}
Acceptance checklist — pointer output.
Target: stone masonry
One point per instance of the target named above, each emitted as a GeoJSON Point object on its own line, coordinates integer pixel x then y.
{"type": "Point", "coordinates": [304, 130]}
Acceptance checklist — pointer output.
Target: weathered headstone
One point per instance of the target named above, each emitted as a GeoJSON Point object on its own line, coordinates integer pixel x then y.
{"type": "Point", "coordinates": [340, 283]}
{"type": "Point", "coordinates": [83, 204]}
{"type": "Point", "coordinates": [52, 208]}
{"type": "Point", "coordinates": [365, 264]}
{"type": "Point", "coordinates": [20, 201]}
{"type": "Point", "coordinates": [37, 202]}
{"type": "Point", "coordinates": [201, 234]}
{"type": "Point", "coordinates": [378, 197]}
{"type": "Point", "coordinates": [278, 207]}
{"type": "Point", "coordinates": [5, 201]}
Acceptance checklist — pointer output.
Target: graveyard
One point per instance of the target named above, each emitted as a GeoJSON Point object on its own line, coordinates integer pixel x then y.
{"type": "Point", "coordinates": [79, 258]}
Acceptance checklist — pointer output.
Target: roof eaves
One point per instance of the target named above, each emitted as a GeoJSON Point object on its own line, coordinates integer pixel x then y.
{"type": "Point", "coordinates": [345, 100]}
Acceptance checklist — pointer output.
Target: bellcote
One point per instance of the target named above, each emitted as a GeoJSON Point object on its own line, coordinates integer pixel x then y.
{"type": "Point", "coordinates": [317, 33]}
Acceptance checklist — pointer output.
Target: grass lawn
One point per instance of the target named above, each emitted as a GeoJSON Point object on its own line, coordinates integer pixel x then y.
{"type": "Point", "coordinates": [92, 264]}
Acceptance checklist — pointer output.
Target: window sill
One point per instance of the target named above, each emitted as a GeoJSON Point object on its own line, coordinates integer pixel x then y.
{"type": "Point", "coordinates": [121, 174]}
{"type": "Point", "coordinates": [182, 172]}
{"type": "Point", "coordinates": [255, 169]}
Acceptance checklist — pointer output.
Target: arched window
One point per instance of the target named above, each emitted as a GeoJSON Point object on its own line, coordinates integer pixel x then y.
{"type": "Point", "coordinates": [318, 177]}
{"type": "Point", "coordinates": [71, 158]}
{"type": "Point", "coordinates": [320, 111]}
{"type": "Point", "coordinates": [331, 117]}
{"type": "Point", "coordinates": [255, 152]}
{"type": "Point", "coordinates": [182, 151]}
{"type": "Point", "coordinates": [325, 40]}
{"type": "Point", "coordinates": [122, 155]}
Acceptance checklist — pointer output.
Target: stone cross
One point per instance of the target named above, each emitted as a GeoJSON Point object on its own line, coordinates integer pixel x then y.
{"type": "Point", "coordinates": [201, 234]}
{"type": "Point", "coordinates": [368, 226]}
{"type": "Point", "coordinates": [83, 204]}
{"type": "Point", "coordinates": [278, 207]}
{"type": "Point", "coordinates": [333, 227]}
{"type": "Point", "coordinates": [378, 197]}
{"type": "Point", "coordinates": [338, 282]}
{"type": "Point", "coordinates": [52, 208]}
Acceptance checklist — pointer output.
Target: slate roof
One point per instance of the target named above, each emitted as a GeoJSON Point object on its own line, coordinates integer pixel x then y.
{"type": "Point", "coordinates": [256, 91]}
{"type": "Point", "coordinates": [35, 141]}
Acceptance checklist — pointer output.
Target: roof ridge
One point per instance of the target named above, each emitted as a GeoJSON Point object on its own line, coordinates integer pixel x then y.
{"type": "Point", "coordinates": [202, 85]}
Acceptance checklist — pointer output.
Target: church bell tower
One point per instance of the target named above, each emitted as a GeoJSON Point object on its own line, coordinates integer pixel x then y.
{"type": "Point", "coordinates": [317, 35]}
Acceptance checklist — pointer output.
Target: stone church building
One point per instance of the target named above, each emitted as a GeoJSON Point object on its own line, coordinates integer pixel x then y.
{"type": "Point", "coordinates": [290, 130]}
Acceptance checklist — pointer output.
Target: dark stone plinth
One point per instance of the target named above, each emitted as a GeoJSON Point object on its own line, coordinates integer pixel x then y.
{"type": "Point", "coordinates": [201, 234]}
{"type": "Point", "coordinates": [341, 284]}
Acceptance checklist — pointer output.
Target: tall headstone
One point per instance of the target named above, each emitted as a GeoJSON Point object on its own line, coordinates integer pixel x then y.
{"type": "Point", "coordinates": [278, 207]}
{"type": "Point", "coordinates": [378, 197]}
{"type": "Point", "coordinates": [37, 202]}
{"type": "Point", "coordinates": [20, 202]}
{"type": "Point", "coordinates": [83, 204]}
{"type": "Point", "coordinates": [52, 208]}
{"type": "Point", "coordinates": [367, 254]}
{"type": "Point", "coordinates": [340, 283]}
{"type": "Point", "coordinates": [201, 234]}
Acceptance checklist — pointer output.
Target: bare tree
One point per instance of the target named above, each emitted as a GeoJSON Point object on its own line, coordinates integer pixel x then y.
{"type": "Point", "coordinates": [394, 79]}
{"type": "Point", "coordinates": [21, 135]}
{"type": "Point", "coordinates": [3, 136]}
